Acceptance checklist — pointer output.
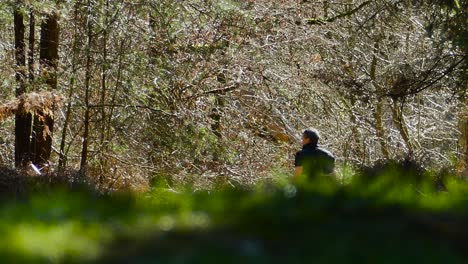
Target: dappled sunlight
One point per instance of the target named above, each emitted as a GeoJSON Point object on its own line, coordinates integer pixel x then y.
{"type": "Point", "coordinates": [233, 131]}
{"type": "Point", "coordinates": [55, 242]}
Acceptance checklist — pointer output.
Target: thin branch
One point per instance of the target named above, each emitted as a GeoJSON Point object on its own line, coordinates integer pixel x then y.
{"type": "Point", "coordinates": [133, 106]}
{"type": "Point", "coordinates": [319, 21]}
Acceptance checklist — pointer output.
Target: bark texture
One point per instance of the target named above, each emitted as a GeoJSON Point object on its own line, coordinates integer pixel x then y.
{"type": "Point", "coordinates": [43, 124]}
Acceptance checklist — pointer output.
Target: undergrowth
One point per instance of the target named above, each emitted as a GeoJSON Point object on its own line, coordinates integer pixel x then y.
{"type": "Point", "coordinates": [389, 217]}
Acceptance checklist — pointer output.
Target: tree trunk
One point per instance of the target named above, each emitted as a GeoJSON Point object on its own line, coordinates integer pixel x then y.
{"type": "Point", "coordinates": [358, 148]}
{"type": "Point", "coordinates": [104, 70]}
{"type": "Point", "coordinates": [43, 125]}
{"type": "Point", "coordinates": [22, 120]}
{"type": "Point", "coordinates": [62, 155]}
{"type": "Point", "coordinates": [84, 149]}
{"type": "Point", "coordinates": [32, 43]}
{"type": "Point", "coordinates": [378, 111]}
{"type": "Point", "coordinates": [378, 125]}
{"type": "Point", "coordinates": [216, 115]}
{"type": "Point", "coordinates": [400, 123]}
{"type": "Point", "coordinates": [463, 142]}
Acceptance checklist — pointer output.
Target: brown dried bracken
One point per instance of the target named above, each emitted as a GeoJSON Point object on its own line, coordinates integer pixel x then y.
{"type": "Point", "coordinates": [43, 102]}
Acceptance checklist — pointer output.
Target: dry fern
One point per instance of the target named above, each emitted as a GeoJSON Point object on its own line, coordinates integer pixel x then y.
{"type": "Point", "coordinates": [35, 102]}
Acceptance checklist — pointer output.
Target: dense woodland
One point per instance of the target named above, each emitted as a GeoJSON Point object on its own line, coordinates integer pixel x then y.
{"type": "Point", "coordinates": [144, 131]}
{"type": "Point", "coordinates": [205, 91]}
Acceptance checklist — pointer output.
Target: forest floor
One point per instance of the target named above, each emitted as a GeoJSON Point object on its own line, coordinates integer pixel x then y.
{"type": "Point", "coordinates": [377, 221]}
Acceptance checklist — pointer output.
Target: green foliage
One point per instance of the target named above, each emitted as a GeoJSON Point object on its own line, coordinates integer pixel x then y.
{"type": "Point", "coordinates": [5, 13]}
{"type": "Point", "coordinates": [316, 221]}
{"type": "Point", "coordinates": [455, 24]}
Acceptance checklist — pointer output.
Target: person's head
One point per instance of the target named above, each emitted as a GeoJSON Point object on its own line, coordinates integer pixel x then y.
{"type": "Point", "coordinates": [310, 136]}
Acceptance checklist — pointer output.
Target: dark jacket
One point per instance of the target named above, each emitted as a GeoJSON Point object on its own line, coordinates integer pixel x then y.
{"type": "Point", "coordinates": [314, 160]}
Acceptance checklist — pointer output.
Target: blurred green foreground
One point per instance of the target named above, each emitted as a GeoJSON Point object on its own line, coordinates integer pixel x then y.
{"type": "Point", "coordinates": [372, 221]}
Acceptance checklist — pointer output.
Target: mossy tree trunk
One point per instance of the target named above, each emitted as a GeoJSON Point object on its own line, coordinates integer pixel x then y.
{"type": "Point", "coordinates": [399, 121]}
{"type": "Point", "coordinates": [463, 142]}
{"type": "Point", "coordinates": [378, 109]}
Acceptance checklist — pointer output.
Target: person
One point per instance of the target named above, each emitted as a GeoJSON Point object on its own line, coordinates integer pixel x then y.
{"type": "Point", "coordinates": [313, 160]}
